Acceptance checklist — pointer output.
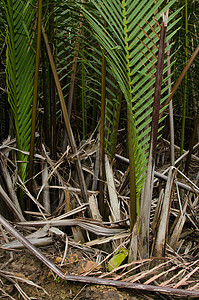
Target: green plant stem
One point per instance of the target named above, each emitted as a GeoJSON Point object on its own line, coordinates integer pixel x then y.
{"type": "Point", "coordinates": [73, 74]}
{"type": "Point", "coordinates": [116, 119]}
{"type": "Point", "coordinates": [131, 146]}
{"type": "Point", "coordinates": [74, 69]}
{"type": "Point", "coordinates": [171, 120]}
{"type": "Point", "coordinates": [46, 119]}
{"type": "Point", "coordinates": [185, 81]}
{"type": "Point", "coordinates": [102, 134]}
{"type": "Point", "coordinates": [192, 143]}
{"type": "Point", "coordinates": [66, 119]}
{"type": "Point", "coordinates": [35, 92]}
{"type": "Point", "coordinates": [110, 110]}
{"type": "Point", "coordinates": [52, 84]}
{"type": "Point", "coordinates": [71, 95]}
{"type": "Point", "coordinates": [83, 104]}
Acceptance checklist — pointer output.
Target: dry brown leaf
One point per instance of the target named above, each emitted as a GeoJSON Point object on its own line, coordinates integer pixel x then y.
{"type": "Point", "coordinates": [87, 265]}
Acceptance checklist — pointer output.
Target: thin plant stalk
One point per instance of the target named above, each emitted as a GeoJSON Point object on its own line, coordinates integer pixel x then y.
{"type": "Point", "coordinates": [116, 119]}
{"type": "Point", "coordinates": [185, 81]}
{"type": "Point", "coordinates": [72, 80]}
{"type": "Point", "coordinates": [191, 144]}
{"type": "Point", "coordinates": [94, 280]}
{"type": "Point", "coordinates": [52, 84]}
{"type": "Point", "coordinates": [192, 140]}
{"type": "Point", "coordinates": [102, 134]}
{"type": "Point", "coordinates": [46, 119]}
{"type": "Point", "coordinates": [46, 194]}
{"type": "Point", "coordinates": [171, 121]}
{"type": "Point", "coordinates": [162, 230]}
{"type": "Point", "coordinates": [35, 92]}
{"type": "Point", "coordinates": [66, 119]}
{"type": "Point", "coordinates": [131, 146]}
{"type": "Point", "coordinates": [74, 68]}
{"type": "Point", "coordinates": [73, 74]}
{"type": "Point", "coordinates": [180, 78]}
{"type": "Point", "coordinates": [148, 188]}
{"type": "Point", "coordinates": [83, 103]}
{"type": "Point", "coordinates": [111, 104]}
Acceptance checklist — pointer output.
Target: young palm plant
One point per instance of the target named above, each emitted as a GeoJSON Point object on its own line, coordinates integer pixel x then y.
{"type": "Point", "coordinates": [128, 38]}
{"type": "Point", "coordinates": [20, 62]}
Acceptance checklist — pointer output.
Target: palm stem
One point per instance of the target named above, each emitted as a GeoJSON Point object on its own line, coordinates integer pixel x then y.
{"type": "Point", "coordinates": [46, 101]}
{"type": "Point", "coordinates": [116, 119]}
{"type": "Point", "coordinates": [52, 84]}
{"type": "Point", "coordinates": [131, 146]}
{"type": "Point", "coordinates": [73, 75]}
{"type": "Point", "coordinates": [171, 121]}
{"type": "Point", "coordinates": [83, 104]}
{"type": "Point", "coordinates": [66, 119]}
{"type": "Point", "coordinates": [148, 188]}
{"type": "Point", "coordinates": [35, 92]}
{"type": "Point", "coordinates": [185, 81]}
{"type": "Point", "coordinates": [102, 133]}
{"type": "Point", "coordinates": [191, 144]}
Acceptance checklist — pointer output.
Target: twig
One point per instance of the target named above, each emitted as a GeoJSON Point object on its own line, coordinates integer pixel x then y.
{"type": "Point", "coordinates": [65, 251]}
{"type": "Point", "coordinates": [80, 292]}
{"type": "Point", "coordinates": [6, 294]}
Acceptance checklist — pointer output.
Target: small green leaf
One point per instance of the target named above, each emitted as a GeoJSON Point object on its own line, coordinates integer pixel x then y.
{"type": "Point", "coordinates": [117, 259]}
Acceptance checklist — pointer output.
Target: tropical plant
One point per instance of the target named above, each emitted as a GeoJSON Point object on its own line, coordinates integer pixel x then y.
{"type": "Point", "coordinates": [20, 72]}
{"type": "Point", "coordinates": [4, 124]}
{"type": "Point", "coordinates": [130, 41]}
{"type": "Point", "coordinates": [102, 50]}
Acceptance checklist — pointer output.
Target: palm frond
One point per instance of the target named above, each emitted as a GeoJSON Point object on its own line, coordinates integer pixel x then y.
{"type": "Point", "coordinates": [20, 70]}
{"type": "Point", "coordinates": [132, 63]}
{"type": "Point", "coordinates": [89, 63]}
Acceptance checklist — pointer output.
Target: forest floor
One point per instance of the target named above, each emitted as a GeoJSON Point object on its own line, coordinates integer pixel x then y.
{"type": "Point", "coordinates": [24, 276]}
{"type": "Point", "coordinates": [25, 266]}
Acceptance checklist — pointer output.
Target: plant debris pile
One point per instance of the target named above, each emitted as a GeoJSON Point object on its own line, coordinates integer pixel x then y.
{"type": "Point", "coordinates": [74, 239]}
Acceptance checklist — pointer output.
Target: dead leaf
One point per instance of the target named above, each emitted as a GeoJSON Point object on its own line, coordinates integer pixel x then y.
{"type": "Point", "coordinates": [86, 266]}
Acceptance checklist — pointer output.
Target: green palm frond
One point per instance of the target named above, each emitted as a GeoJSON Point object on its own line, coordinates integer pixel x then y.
{"type": "Point", "coordinates": [89, 64]}
{"type": "Point", "coordinates": [179, 48]}
{"type": "Point", "coordinates": [132, 64]}
{"type": "Point", "coordinates": [20, 70]}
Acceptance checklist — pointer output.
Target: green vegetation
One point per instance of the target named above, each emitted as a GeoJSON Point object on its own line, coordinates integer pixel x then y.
{"type": "Point", "coordinates": [98, 55]}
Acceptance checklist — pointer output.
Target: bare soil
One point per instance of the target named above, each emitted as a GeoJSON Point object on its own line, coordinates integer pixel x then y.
{"type": "Point", "coordinates": [28, 267]}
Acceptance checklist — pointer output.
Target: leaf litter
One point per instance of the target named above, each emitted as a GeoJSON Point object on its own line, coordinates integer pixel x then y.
{"type": "Point", "coordinates": [75, 241]}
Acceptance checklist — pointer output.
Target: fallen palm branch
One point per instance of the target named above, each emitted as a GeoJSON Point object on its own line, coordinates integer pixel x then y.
{"type": "Point", "coordinates": [93, 280]}
{"type": "Point", "coordinates": [94, 226]}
